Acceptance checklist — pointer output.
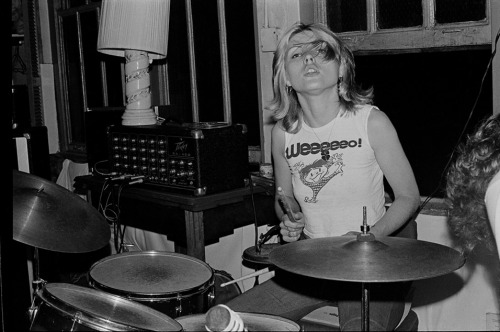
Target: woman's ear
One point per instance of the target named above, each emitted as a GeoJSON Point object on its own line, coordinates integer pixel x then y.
{"type": "Point", "coordinates": [287, 81]}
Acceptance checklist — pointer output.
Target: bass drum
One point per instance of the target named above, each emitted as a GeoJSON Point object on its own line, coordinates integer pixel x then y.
{"type": "Point", "coordinates": [68, 307]}
{"type": "Point", "coordinates": [172, 283]}
{"type": "Point", "coordinates": [226, 293]}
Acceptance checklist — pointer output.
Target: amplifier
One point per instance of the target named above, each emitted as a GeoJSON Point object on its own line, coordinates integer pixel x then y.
{"type": "Point", "coordinates": [194, 158]}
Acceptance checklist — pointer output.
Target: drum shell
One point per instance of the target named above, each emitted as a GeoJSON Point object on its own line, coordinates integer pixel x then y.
{"type": "Point", "coordinates": [228, 292]}
{"type": "Point", "coordinates": [188, 299]}
{"type": "Point", "coordinates": [67, 307]}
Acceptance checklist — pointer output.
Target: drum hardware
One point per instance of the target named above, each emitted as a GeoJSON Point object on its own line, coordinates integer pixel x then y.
{"type": "Point", "coordinates": [366, 259]}
{"type": "Point", "coordinates": [263, 238]}
{"type": "Point", "coordinates": [125, 246]}
{"type": "Point", "coordinates": [258, 256]}
{"type": "Point", "coordinates": [37, 284]}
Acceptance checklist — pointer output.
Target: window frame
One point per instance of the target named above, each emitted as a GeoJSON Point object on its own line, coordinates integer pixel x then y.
{"type": "Point", "coordinates": [429, 36]}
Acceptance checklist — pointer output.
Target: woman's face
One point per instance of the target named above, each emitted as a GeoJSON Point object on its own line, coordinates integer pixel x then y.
{"type": "Point", "coordinates": [307, 69]}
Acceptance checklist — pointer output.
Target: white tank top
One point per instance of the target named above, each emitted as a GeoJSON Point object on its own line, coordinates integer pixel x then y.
{"type": "Point", "coordinates": [335, 174]}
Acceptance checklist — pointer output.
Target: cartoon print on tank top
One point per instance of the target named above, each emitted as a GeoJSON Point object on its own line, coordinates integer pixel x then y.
{"type": "Point", "coordinates": [319, 173]}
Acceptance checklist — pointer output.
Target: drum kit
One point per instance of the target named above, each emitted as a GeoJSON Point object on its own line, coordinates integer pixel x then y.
{"type": "Point", "coordinates": [128, 291]}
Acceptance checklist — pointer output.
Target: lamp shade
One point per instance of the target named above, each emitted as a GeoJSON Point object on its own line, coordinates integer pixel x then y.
{"type": "Point", "coordinates": [134, 25]}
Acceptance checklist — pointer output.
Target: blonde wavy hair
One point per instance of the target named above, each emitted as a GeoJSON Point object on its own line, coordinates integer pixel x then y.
{"type": "Point", "coordinates": [285, 105]}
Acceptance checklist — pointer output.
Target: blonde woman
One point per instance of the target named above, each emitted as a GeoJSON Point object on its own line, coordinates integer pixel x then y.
{"type": "Point", "coordinates": [331, 150]}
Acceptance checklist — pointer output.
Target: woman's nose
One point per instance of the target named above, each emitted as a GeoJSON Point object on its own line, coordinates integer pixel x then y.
{"type": "Point", "coordinates": [308, 58]}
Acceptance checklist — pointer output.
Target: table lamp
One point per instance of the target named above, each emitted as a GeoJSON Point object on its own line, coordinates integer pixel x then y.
{"type": "Point", "coordinates": [138, 31]}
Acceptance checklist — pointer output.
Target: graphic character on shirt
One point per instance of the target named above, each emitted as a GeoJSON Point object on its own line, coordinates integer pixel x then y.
{"type": "Point", "coordinates": [319, 173]}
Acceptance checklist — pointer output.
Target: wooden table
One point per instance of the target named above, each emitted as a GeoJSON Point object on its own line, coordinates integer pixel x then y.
{"type": "Point", "coordinates": [191, 222]}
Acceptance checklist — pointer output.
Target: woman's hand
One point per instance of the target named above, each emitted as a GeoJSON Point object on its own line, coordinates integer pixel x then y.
{"type": "Point", "coordinates": [290, 231]}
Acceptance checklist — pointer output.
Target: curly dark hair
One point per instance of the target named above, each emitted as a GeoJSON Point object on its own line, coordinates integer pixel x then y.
{"type": "Point", "coordinates": [478, 161]}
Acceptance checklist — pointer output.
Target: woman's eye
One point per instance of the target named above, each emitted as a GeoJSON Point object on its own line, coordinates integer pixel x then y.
{"type": "Point", "coordinates": [296, 55]}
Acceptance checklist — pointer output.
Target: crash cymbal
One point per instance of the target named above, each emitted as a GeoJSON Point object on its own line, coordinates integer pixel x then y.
{"type": "Point", "coordinates": [384, 259]}
{"type": "Point", "coordinates": [48, 216]}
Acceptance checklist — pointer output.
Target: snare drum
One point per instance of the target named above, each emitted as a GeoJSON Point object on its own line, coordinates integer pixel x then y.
{"type": "Point", "coordinates": [251, 321]}
{"type": "Point", "coordinates": [172, 283]}
{"type": "Point", "coordinates": [68, 307]}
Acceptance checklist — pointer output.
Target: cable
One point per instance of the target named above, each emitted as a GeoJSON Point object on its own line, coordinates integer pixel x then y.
{"type": "Point", "coordinates": [120, 231]}
{"type": "Point", "coordinates": [256, 224]}
{"type": "Point", "coordinates": [443, 174]}
{"type": "Point", "coordinates": [103, 173]}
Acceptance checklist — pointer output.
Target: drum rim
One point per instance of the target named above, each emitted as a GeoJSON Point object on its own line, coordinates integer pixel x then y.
{"type": "Point", "coordinates": [155, 297]}
{"type": "Point", "coordinates": [145, 296]}
{"type": "Point", "coordinates": [93, 319]}
{"type": "Point", "coordinates": [149, 253]}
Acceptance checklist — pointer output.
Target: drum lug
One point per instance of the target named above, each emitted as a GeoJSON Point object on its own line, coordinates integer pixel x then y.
{"type": "Point", "coordinates": [178, 308]}
{"type": "Point", "coordinates": [211, 298]}
{"type": "Point", "coordinates": [76, 320]}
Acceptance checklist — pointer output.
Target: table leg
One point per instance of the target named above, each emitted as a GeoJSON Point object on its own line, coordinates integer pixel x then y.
{"type": "Point", "coordinates": [195, 234]}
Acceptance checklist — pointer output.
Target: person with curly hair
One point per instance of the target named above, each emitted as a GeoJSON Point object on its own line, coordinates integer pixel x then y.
{"type": "Point", "coordinates": [331, 150]}
{"type": "Point", "coordinates": [473, 188]}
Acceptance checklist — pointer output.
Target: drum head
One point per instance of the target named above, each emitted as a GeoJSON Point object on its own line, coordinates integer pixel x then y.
{"type": "Point", "coordinates": [104, 311]}
{"type": "Point", "coordinates": [252, 322]}
{"type": "Point", "coordinates": [150, 273]}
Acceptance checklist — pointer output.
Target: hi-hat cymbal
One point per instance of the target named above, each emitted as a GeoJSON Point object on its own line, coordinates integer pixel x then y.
{"type": "Point", "coordinates": [251, 255]}
{"type": "Point", "coordinates": [384, 259]}
{"type": "Point", "coordinates": [48, 216]}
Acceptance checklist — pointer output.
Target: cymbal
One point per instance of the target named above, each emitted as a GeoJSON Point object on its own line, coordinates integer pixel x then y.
{"type": "Point", "coordinates": [260, 258]}
{"type": "Point", "coordinates": [48, 216]}
{"type": "Point", "coordinates": [382, 259]}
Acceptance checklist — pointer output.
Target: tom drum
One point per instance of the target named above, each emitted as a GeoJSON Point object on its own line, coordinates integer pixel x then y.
{"type": "Point", "coordinates": [68, 307]}
{"type": "Point", "coordinates": [172, 283]}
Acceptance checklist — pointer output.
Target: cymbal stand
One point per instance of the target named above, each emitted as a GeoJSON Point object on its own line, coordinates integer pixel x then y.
{"type": "Point", "coordinates": [364, 236]}
{"type": "Point", "coordinates": [365, 312]}
{"type": "Point", "coordinates": [37, 283]}
{"type": "Point", "coordinates": [275, 230]}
